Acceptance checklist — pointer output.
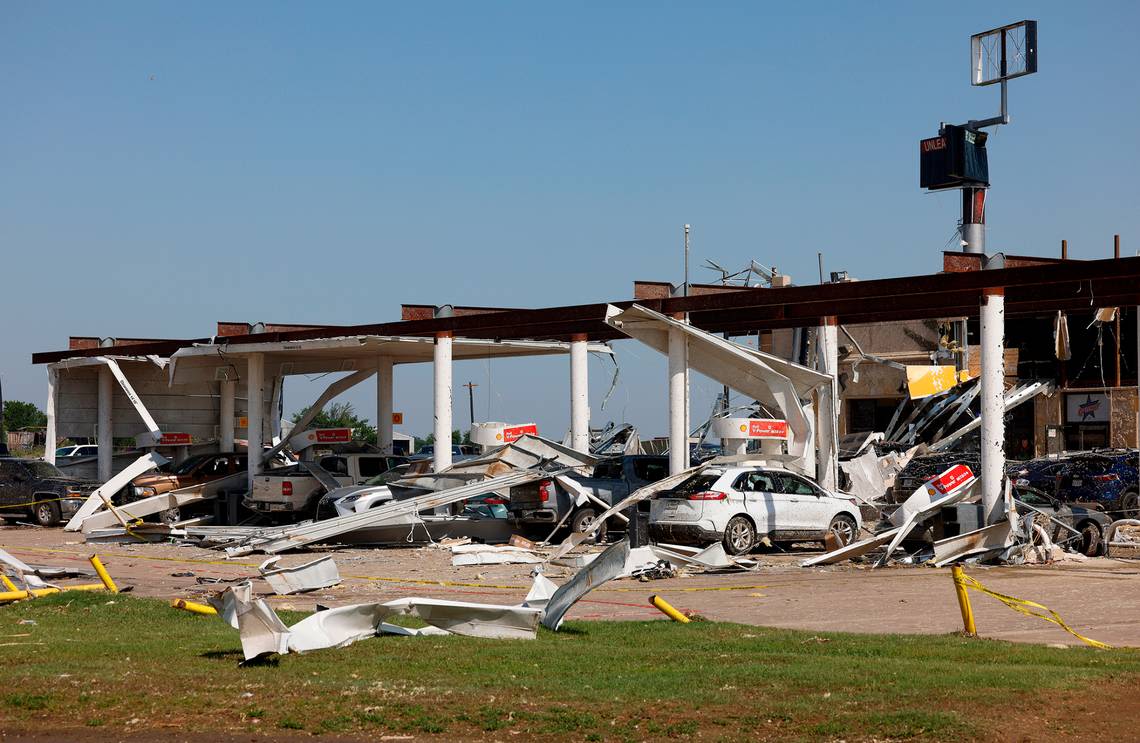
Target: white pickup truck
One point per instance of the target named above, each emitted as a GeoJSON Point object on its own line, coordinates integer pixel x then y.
{"type": "Point", "coordinates": [293, 492]}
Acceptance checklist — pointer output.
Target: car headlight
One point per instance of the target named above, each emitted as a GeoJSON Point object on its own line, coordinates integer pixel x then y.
{"type": "Point", "coordinates": [145, 492]}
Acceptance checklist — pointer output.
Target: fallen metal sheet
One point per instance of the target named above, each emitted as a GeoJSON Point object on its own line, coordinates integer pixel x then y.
{"type": "Point", "coordinates": [484, 554]}
{"type": "Point", "coordinates": [772, 381]}
{"type": "Point", "coordinates": [158, 503]}
{"type": "Point", "coordinates": [609, 565]}
{"type": "Point", "coordinates": [277, 540]}
{"type": "Point", "coordinates": [541, 590]}
{"type": "Point", "coordinates": [26, 573]}
{"type": "Point", "coordinates": [263, 632]}
{"type": "Point", "coordinates": [995, 536]}
{"type": "Point", "coordinates": [95, 501]}
{"type": "Point", "coordinates": [311, 576]}
{"type": "Point", "coordinates": [855, 549]}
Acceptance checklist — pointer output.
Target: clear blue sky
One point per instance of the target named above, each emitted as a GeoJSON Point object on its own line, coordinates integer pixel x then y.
{"type": "Point", "coordinates": [166, 165]}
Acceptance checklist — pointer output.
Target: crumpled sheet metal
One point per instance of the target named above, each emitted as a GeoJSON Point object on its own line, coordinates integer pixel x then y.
{"type": "Point", "coordinates": [489, 554]}
{"type": "Point", "coordinates": [608, 565]}
{"type": "Point", "coordinates": [263, 632]}
{"type": "Point", "coordinates": [311, 576]}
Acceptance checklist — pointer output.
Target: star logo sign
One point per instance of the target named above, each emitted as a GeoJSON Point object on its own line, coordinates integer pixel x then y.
{"type": "Point", "coordinates": [1088, 408]}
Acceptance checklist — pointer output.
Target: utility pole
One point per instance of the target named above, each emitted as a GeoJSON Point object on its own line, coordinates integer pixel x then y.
{"type": "Point", "coordinates": [471, 399]}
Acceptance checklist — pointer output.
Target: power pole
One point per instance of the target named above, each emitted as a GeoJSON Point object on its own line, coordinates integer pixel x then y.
{"type": "Point", "coordinates": [471, 399]}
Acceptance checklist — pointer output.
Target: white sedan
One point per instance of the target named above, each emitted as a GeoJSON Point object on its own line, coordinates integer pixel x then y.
{"type": "Point", "coordinates": [738, 505]}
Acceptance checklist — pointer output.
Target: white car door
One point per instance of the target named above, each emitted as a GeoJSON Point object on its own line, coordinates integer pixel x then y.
{"type": "Point", "coordinates": [807, 508]}
{"type": "Point", "coordinates": [762, 499]}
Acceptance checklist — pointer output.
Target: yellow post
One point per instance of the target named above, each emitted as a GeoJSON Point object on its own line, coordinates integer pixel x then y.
{"type": "Point", "coordinates": [667, 609]}
{"type": "Point", "coordinates": [103, 574]}
{"type": "Point", "coordinates": [193, 607]}
{"type": "Point", "coordinates": [17, 595]}
{"type": "Point", "coordinates": [963, 601]}
{"type": "Point", "coordinates": [8, 583]}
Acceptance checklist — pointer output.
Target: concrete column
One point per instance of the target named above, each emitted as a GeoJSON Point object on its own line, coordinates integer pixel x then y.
{"type": "Point", "coordinates": [579, 394]}
{"type": "Point", "coordinates": [442, 377]}
{"type": "Point", "coordinates": [226, 411]}
{"type": "Point", "coordinates": [104, 428]}
{"type": "Point", "coordinates": [678, 436]}
{"type": "Point", "coordinates": [384, 389]}
{"type": "Point", "coordinates": [255, 392]}
{"type": "Point", "coordinates": [50, 437]}
{"type": "Point", "coordinates": [992, 394]}
{"type": "Point", "coordinates": [827, 466]}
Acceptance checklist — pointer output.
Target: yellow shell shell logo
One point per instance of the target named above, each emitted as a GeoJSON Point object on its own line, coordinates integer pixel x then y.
{"type": "Point", "coordinates": [744, 428]}
{"type": "Point", "coordinates": [498, 437]}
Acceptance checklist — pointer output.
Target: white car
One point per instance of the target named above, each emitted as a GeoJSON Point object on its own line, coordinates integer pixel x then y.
{"type": "Point", "coordinates": [740, 504]}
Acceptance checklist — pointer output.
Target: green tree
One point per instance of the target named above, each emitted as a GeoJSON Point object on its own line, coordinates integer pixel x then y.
{"type": "Point", "coordinates": [342, 415]}
{"type": "Point", "coordinates": [19, 415]}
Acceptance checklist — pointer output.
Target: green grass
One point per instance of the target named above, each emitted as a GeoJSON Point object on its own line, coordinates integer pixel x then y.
{"type": "Point", "coordinates": [108, 660]}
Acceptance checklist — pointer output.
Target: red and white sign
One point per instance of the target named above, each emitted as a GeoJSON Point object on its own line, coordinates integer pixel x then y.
{"type": "Point", "coordinates": [514, 433]}
{"type": "Point", "coordinates": [174, 439]}
{"type": "Point", "coordinates": [952, 479]}
{"type": "Point", "coordinates": [767, 428]}
{"type": "Point", "coordinates": [333, 435]}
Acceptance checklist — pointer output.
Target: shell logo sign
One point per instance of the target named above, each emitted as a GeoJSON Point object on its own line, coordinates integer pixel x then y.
{"type": "Point", "coordinates": [764, 428]}
{"type": "Point", "coordinates": [511, 434]}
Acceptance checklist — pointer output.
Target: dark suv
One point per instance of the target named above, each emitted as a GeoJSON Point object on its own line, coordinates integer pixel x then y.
{"type": "Point", "coordinates": [30, 487]}
{"type": "Point", "coordinates": [1105, 479]}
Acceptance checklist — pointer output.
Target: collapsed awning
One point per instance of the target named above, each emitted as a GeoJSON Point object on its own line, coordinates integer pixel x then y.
{"type": "Point", "coordinates": [772, 381]}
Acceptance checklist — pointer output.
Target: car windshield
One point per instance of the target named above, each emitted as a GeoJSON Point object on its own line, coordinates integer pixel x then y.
{"type": "Point", "coordinates": [63, 451]}
{"type": "Point", "coordinates": [696, 484]}
{"type": "Point", "coordinates": [1035, 498]}
{"type": "Point", "coordinates": [43, 469]}
{"type": "Point", "coordinates": [391, 475]}
{"type": "Point", "coordinates": [189, 465]}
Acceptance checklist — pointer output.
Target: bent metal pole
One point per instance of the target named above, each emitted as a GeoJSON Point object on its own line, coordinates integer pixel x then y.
{"type": "Point", "coordinates": [993, 411]}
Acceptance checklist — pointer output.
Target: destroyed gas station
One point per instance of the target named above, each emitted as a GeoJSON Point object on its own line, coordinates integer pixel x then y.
{"type": "Point", "coordinates": [892, 455]}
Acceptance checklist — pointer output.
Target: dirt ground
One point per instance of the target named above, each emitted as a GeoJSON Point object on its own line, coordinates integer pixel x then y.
{"type": "Point", "coordinates": [1099, 598]}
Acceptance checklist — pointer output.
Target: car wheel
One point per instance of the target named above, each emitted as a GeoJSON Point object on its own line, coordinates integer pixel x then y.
{"type": "Point", "coordinates": [170, 516]}
{"type": "Point", "coordinates": [739, 536]}
{"type": "Point", "coordinates": [1130, 505]}
{"type": "Point", "coordinates": [843, 530]}
{"type": "Point", "coordinates": [1090, 539]}
{"type": "Point", "coordinates": [46, 514]}
{"type": "Point", "coordinates": [583, 520]}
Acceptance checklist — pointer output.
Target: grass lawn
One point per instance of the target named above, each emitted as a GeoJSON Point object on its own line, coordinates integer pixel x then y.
{"type": "Point", "coordinates": [106, 663]}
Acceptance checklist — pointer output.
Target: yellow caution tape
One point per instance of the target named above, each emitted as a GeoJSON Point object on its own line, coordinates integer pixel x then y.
{"type": "Point", "coordinates": [1026, 607]}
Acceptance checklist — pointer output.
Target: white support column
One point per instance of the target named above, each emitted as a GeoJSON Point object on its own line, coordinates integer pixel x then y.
{"type": "Point", "coordinates": [384, 388]}
{"type": "Point", "coordinates": [442, 377]}
{"type": "Point", "coordinates": [51, 438]}
{"type": "Point", "coordinates": [227, 392]}
{"type": "Point", "coordinates": [579, 394]}
{"type": "Point", "coordinates": [106, 389]}
{"type": "Point", "coordinates": [678, 436]}
{"type": "Point", "coordinates": [827, 359]}
{"type": "Point", "coordinates": [255, 392]}
{"type": "Point", "coordinates": [993, 413]}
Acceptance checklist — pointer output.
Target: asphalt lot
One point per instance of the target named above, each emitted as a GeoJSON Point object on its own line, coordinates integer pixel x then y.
{"type": "Point", "coordinates": [1099, 598]}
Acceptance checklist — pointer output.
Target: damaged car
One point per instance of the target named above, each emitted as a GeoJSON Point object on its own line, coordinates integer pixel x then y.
{"type": "Point", "coordinates": [739, 505]}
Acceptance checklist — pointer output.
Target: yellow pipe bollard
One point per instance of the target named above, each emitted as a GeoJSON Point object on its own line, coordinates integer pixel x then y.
{"type": "Point", "coordinates": [8, 583]}
{"type": "Point", "coordinates": [34, 593]}
{"type": "Point", "coordinates": [667, 609]}
{"type": "Point", "coordinates": [193, 607]}
{"type": "Point", "coordinates": [964, 601]}
{"type": "Point", "coordinates": [103, 574]}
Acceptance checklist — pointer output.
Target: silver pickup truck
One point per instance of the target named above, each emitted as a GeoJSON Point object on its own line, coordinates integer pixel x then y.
{"type": "Point", "coordinates": [545, 503]}
{"type": "Point", "coordinates": [293, 492]}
